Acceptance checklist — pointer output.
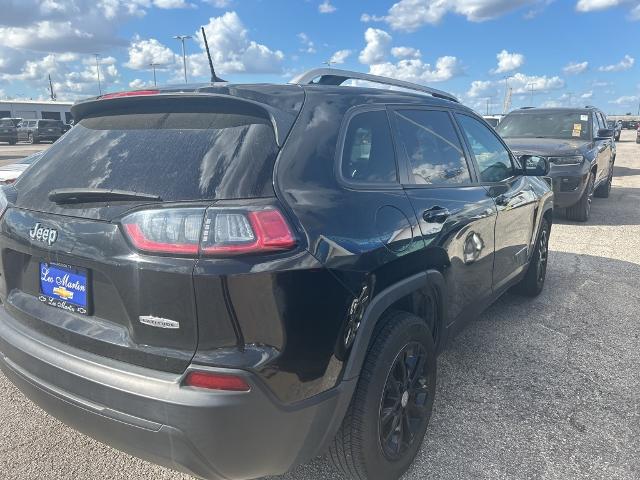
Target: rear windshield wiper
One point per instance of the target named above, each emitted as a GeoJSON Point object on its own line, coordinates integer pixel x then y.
{"type": "Point", "coordinates": [90, 195]}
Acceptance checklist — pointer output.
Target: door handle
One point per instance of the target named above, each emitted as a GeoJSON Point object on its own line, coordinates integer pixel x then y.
{"type": "Point", "coordinates": [436, 215]}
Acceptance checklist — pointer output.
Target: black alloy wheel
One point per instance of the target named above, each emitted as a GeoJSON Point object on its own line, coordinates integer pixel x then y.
{"type": "Point", "coordinates": [403, 406]}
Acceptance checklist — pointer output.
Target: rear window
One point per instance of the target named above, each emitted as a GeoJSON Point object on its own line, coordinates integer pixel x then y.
{"type": "Point", "coordinates": [6, 123]}
{"type": "Point", "coordinates": [176, 155]}
{"type": "Point", "coordinates": [49, 123]}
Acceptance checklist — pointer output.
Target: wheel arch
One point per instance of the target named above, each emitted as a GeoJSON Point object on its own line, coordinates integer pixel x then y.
{"type": "Point", "coordinates": [399, 294]}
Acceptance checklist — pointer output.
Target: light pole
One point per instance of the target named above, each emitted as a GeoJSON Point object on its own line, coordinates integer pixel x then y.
{"type": "Point", "coordinates": [154, 65]}
{"type": "Point", "coordinates": [531, 85]}
{"type": "Point", "coordinates": [506, 93]}
{"type": "Point", "coordinates": [182, 38]}
{"type": "Point", "coordinates": [97, 55]}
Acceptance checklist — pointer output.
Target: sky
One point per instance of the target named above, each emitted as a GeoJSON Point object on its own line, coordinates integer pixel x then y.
{"type": "Point", "coordinates": [547, 52]}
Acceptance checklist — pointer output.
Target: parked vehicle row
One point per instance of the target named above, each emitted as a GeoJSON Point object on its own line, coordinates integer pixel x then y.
{"type": "Point", "coordinates": [13, 130]}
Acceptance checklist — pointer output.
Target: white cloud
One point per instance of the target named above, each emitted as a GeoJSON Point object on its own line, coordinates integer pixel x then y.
{"type": "Point", "coordinates": [415, 70]}
{"type": "Point", "coordinates": [409, 15]}
{"type": "Point", "coordinates": [340, 56]}
{"type": "Point", "coordinates": [519, 83]}
{"type": "Point", "coordinates": [219, 3]}
{"type": "Point", "coordinates": [144, 52]}
{"type": "Point", "coordinates": [73, 25]}
{"type": "Point", "coordinates": [168, 4]}
{"type": "Point", "coordinates": [586, 6]}
{"type": "Point", "coordinates": [137, 84]}
{"type": "Point", "coordinates": [309, 46]}
{"type": "Point", "coordinates": [575, 68]}
{"type": "Point", "coordinates": [366, 18]}
{"type": "Point", "coordinates": [377, 47]}
{"type": "Point", "coordinates": [406, 52]}
{"type": "Point", "coordinates": [326, 7]}
{"type": "Point", "coordinates": [625, 64]}
{"type": "Point", "coordinates": [232, 50]}
{"type": "Point", "coordinates": [626, 100]}
{"type": "Point", "coordinates": [410, 67]}
{"type": "Point", "coordinates": [508, 62]}
{"type": "Point", "coordinates": [593, 5]}
{"type": "Point", "coordinates": [482, 88]}
{"type": "Point", "coordinates": [587, 95]}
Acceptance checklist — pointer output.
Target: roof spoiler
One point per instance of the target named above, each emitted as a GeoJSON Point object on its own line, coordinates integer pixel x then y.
{"type": "Point", "coordinates": [335, 76]}
{"type": "Point", "coordinates": [282, 121]}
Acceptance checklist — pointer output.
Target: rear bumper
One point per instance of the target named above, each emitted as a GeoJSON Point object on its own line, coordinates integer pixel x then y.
{"type": "Point", "coordinates": [46, 137]}
{"type": "Point", "coordinates": [217, 435]}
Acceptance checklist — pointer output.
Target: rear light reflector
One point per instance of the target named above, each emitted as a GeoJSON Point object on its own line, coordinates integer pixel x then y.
{"type": "Point", "coordinates": [173, 230]}
{"type": "Point", "coordinates": [234, 232]}
{"type": "Point", "coordinates": [216, 381]}
{"type": "Point", "coordinates": [215, 231]}
{"type": "Point", "coordinates": [135, 93]}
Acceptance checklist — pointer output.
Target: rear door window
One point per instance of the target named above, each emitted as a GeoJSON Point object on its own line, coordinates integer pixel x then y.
{"type": "Point", "coordinates": [177, 155]}
{"type": "Point", "coordinates": [368, 155]}
{"type": "Point", "coordinates": [432, 147]}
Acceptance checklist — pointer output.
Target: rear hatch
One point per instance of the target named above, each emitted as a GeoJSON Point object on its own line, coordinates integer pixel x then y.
{"type": "Point", "coordinates": [69, 269]}
{"type": "Point", "coordinates": [7, 128]}
{"type": "Point", "coordinates": [49, 128]}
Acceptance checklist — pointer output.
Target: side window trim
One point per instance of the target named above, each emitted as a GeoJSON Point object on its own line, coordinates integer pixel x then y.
{"type": "Point", "coordinates": [342, 136]}
{"type": "Point", "coordinates": [517, 169]}
{"type": "Point", "coordinates": [403, 160]}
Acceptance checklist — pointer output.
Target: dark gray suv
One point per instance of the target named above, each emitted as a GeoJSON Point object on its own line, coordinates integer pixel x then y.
{"type": "Point", "coordinates": [578, 145]}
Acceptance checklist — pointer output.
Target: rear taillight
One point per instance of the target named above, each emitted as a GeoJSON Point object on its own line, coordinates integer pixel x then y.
{"type": "Point", "coordinates": [237, 231]}
{"type": "Point", "coordinates": [211, 232]}
{"type": "Point", "coordinates": [216, 381]}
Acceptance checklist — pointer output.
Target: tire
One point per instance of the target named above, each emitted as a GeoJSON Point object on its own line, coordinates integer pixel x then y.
{"type": "Point", "coordinates": [364, 447]}
{"type": "Point", "coordinates": [12, 142]}
{"type": "Point", "coordinates": [30, 139]}
{"type": "Point", "coordinates": [533, 281]}
{"type": "Point", "coordinates": [604, 190]}
{"type": "Point", "coordinates": [580, 211]}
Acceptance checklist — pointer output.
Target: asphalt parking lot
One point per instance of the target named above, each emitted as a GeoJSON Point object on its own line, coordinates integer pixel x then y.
{"type": "Point", "coordinates": [545, 388]}
{"type": "Point", "coordinates": [11, 153]}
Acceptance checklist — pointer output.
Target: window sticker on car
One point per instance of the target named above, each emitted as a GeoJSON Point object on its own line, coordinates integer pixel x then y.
{"type": "Point", "coordinates": [584, 118]}
{"type": "Point", "coordinates": [576, 133]}
{"type": "Point", "coordinates": [577, 126]}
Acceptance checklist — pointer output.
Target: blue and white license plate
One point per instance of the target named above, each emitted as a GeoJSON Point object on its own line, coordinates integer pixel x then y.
{"type": "Point", "coordinates": [65, 287]}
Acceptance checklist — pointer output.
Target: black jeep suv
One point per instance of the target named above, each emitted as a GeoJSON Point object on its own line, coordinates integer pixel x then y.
{"type": "Point", "coordinates": [230, 279]}
{"type": "Point", "coordinates": [579, 146]}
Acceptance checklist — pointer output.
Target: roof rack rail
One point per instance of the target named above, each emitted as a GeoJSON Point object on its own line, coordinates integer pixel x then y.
{"type": "Point", "coordinates": [526, 108]}
{"type": "Point", "coordinates": [589, 106]}
{"type": "Point", "coordinates": [335, 76]}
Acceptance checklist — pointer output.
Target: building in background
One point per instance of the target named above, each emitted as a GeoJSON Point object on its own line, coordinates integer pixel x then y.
{"type": "Point", "coordinates": [36, 109]}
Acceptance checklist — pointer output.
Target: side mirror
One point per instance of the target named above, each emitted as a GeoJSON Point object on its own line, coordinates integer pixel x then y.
{"type": "Point", "coordinates": [535, 166]}
{"type": "Point", "coordinates": [605, 133]}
